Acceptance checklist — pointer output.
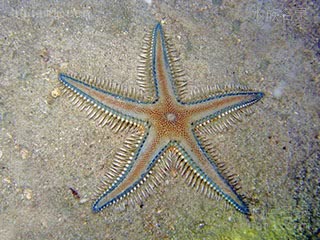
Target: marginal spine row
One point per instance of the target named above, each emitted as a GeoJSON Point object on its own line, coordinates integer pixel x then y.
{"type": "Point", "coordinates": [145, 80]}
{"type": "Point", "coordinates": [123, 161]}
{"type": "Point", "coordinates": [103, 116]}
{"type": "Point", "coordinates": [192, 177]}
{"type": "Point", "coordinates": [177, 71]}
{"type": "Point", "coordinates": [154, 178]}
{"type": "Point", "coordinates": [198, 94]}
{"type": "Point", "coordinates": [202, 184]}
{"type": "Point", "coordinates": [110, 87]}
{"type": "Point", "coordinates": [146, 185]}
{"type": "Point", "coordinates": [213, 157]}
{"type": "Point", "coordinates": [222, 122]}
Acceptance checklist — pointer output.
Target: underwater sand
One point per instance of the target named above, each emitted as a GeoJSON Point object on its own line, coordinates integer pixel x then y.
{"type": "Point", "coordinates": [48, 147]}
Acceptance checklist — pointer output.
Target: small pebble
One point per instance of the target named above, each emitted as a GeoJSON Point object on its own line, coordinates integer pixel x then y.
{"type": "Point", "coordinates": [24, 153]}
{"type": "Point", "coordinates": [28, 193]}
{"type": "Point", "coordinates": [83, 200]}
{"type": "Point", "coordinates": [56, 93]}
{"type": "Point", "coordinates": [202, 225]}
{"type": "Point", "coordinates": [44, 54]}
{"type": "Point", "coordinates": [7, 180]}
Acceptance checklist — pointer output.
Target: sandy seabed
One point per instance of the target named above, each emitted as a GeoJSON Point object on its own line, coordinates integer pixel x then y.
{"type": "Point", "coordinates": [52, 157]}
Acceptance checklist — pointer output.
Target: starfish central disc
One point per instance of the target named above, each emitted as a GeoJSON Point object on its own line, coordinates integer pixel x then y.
{"type": "Point", "coordinates": [171, 117]}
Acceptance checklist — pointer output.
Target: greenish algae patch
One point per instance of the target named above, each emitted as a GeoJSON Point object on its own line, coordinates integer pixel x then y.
{"type": "Point", "coordinates": [277, 225]}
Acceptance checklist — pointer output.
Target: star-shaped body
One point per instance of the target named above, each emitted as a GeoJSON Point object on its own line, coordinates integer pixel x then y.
{"type": "Point", "coordinates": [168, 127]}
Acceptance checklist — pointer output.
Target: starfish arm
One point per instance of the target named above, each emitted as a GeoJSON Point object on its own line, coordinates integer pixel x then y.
{"type": "Point", "coordinates": [143, 173]}
{"type": "Point", "coordinates": [104, 100]}
{"type": "Point", "coordinates": [202, 172]}
{"type": "Point", "coordinates": [208, 111]}
{"type": "Point", "coordinates": [160, 72]}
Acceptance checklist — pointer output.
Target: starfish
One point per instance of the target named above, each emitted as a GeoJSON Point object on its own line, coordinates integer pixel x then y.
{"type": "Point", "coordinates": [168, 127]}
